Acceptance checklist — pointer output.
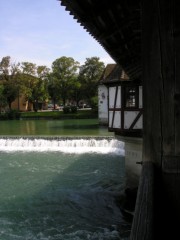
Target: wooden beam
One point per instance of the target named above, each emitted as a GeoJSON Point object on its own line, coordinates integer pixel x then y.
{"type": "Point", "coordinates": [105, 22]}
{"type": "Point", "coordinates": [161, 75]}
{"type": "Point", "coordinates": [161, 138]}
{"type": "Point", "coordinates": [176, 35]}
{"type": "Point", "coordinates": [159, 80]}
{"type": "Point", "coordinates": [142, 227]}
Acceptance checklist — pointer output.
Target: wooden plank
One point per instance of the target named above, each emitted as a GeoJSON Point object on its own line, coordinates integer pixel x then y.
{"type": "Point", "coordinates": [142, 227]}
{"type": "Point", "coordinates": [151, 59]}
{"type": "Point", "coordinates": [161, 95]}
{"type": "Point", "coordinates": [167, 83]}
{"type": "Point", "coordinates": [171, 164]}
{"type": "Point", "coordinates": [122, 106]}
{"type": "Point", "coordinates": [156, 210]}
{"type": "Point", "coordinates": [169, 25]}
{"type": "Point", "coordinates": [159, 80]}
{"type": "Point", "coordinates": [176, 35]}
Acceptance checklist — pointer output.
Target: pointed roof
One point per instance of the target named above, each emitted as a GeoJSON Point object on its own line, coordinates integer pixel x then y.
{"type": "Point", "coordinates": [113, 73]}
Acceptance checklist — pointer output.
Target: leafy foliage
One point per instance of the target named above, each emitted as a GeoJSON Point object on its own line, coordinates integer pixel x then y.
{"type": "Point", "coordinates": [64, 73]}
{"type": "Point", "coordinates": [89, 76]}
{"type": "Point", "coordinates": [66, 82]}
{"type": "Point", "coordinates": [9, 76]}
{"type": "Point", "coordinates": [10, 115]}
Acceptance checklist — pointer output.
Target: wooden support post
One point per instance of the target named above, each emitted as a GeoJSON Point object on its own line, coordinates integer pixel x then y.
{"type": "Point", "coordinates": [161, 140]}
{"type": "Point", "coordinates": [142, 228]}
{"type": "Point", "coordinates": [158, 80]}
{"type": "Point", "coordinates": [161, 76]}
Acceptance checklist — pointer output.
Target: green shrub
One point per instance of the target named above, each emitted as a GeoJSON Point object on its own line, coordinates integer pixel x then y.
{"type": "Point", "coordinates": [70, 109]}
{"type": "Point", "coordinates": [73, 109]}
{"type": "Point", "coordinates": [3, 116]}
{"type": "Point", "coordinates": [13, 114]}
{"type": "Point", "coordinates": [66, 109]}
{"type": "Point", "coordinates": [94, 103]}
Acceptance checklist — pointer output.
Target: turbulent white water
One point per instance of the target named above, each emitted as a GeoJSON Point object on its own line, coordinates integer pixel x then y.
{"type": "Point", "coordinates": [48, 192]}
{"type": "Point", "coordinates": [78, 146]}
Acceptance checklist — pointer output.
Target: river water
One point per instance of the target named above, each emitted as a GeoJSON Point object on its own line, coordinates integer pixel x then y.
{"type": "Point", "coordinates": [61, 189]}
{"type": "Point", "coordinates": [68, 127]}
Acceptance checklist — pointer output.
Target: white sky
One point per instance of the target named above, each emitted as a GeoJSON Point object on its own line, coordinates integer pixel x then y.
{"type": "Point", "coordinates": [40, 31]}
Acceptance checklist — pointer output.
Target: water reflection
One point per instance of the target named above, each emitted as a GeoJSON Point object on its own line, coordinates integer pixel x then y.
{"type": "Point", "coordinates": [28, 127]}
{"type": "Point", "coordinates": [74, 127]}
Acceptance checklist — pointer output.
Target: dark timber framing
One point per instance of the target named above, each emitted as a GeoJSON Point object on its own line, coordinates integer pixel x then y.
{"type": "Point", "coordinates": [122, 130]}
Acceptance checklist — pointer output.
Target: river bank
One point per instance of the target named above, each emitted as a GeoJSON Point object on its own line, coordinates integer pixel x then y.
{"type": "Point", "coordinates": [49, 114]}
{"type": "Point", "coordinates": [80, 114]}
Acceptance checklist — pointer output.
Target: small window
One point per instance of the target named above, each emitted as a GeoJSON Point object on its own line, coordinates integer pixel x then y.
{"type": "Point", "coordinates": [130, 97]}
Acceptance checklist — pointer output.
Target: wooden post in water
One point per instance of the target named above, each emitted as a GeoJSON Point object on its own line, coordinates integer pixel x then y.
{"type": "Point", "coordinates": [158, 200]}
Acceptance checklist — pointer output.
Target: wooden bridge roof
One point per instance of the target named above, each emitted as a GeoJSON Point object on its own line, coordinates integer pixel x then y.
{"type": "Point", "coordinates": [116, 25]}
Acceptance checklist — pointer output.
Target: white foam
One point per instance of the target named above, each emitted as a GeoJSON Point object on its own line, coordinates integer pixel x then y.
{"type": "Point", "coordinates": [78, 146]}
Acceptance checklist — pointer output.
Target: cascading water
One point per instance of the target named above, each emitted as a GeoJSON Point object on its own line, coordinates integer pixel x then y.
{"type": "Point", "coordinates": [61, 189]}
{"type": "Point", "coordinates": [103, 146]}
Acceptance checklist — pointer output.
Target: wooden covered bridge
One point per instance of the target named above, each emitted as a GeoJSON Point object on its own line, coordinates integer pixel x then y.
{"type": "Point", "coordinates": [143, 37]}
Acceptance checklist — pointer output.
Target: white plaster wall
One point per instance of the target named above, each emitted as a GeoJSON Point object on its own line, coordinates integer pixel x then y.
{"type": "Point", "coordinates": [117, 119]}
{"type": "Point", "coordinates": [112, 93]}
{"type": "Point", "coordinates": [103, 104]}
{"type": "Point", "coordinates": [139, 124]}
{"type": "Point", "coordinates": [133, 156]}
{"type": "Point", "coordinates": [129, 117]}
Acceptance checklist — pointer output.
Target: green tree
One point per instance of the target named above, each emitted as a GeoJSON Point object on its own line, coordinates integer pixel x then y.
{"type": "Point", "coordinates": [3, 101]}
{"type": "Point", "coordinates": [43, 72]}
{"type": "Point", "coordinates": [35, 83]}
{"type": "Point", "coordinates": [10, 72]}
{"type": "Point", "coordinates": [40, 93]}
{"type": "Point", "coordinates": [6, 68]}
{"type": "Point", "coordinates": [75, 92]}
{"type": "Point", "coordinates": [28, 68]}
{"type": "Point", "coordinates": [89, 76]}
{"type": "Point", "coordinates": [64, 73]}
{"type": "Point", "coordinates": [29, 80]}
{"type": "Point", "coordinates": [53, 89]}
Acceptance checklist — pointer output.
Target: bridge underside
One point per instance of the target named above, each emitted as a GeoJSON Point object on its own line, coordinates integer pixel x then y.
{"type": "Point", "coordinates": [144, 38]}
{"type": "Point", "coordinates": [117, 27]}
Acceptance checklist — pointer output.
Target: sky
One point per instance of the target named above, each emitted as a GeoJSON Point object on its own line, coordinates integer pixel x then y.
{"type": "Point", "coordinates": [40, 31]}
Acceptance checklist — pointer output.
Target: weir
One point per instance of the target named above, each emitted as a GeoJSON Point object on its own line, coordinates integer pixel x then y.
{"type": "Point", "coordinates": [66, 145]}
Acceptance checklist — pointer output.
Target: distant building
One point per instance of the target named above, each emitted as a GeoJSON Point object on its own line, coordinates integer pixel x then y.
{"type": "Point", "coordinates": [21, 104]}
{"type": "Point", "coordinates": [121, 109]}
{"type": "Point", "coordinates": [103, 95]}
{"type": "Point", "coordinates": [120, 101]}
